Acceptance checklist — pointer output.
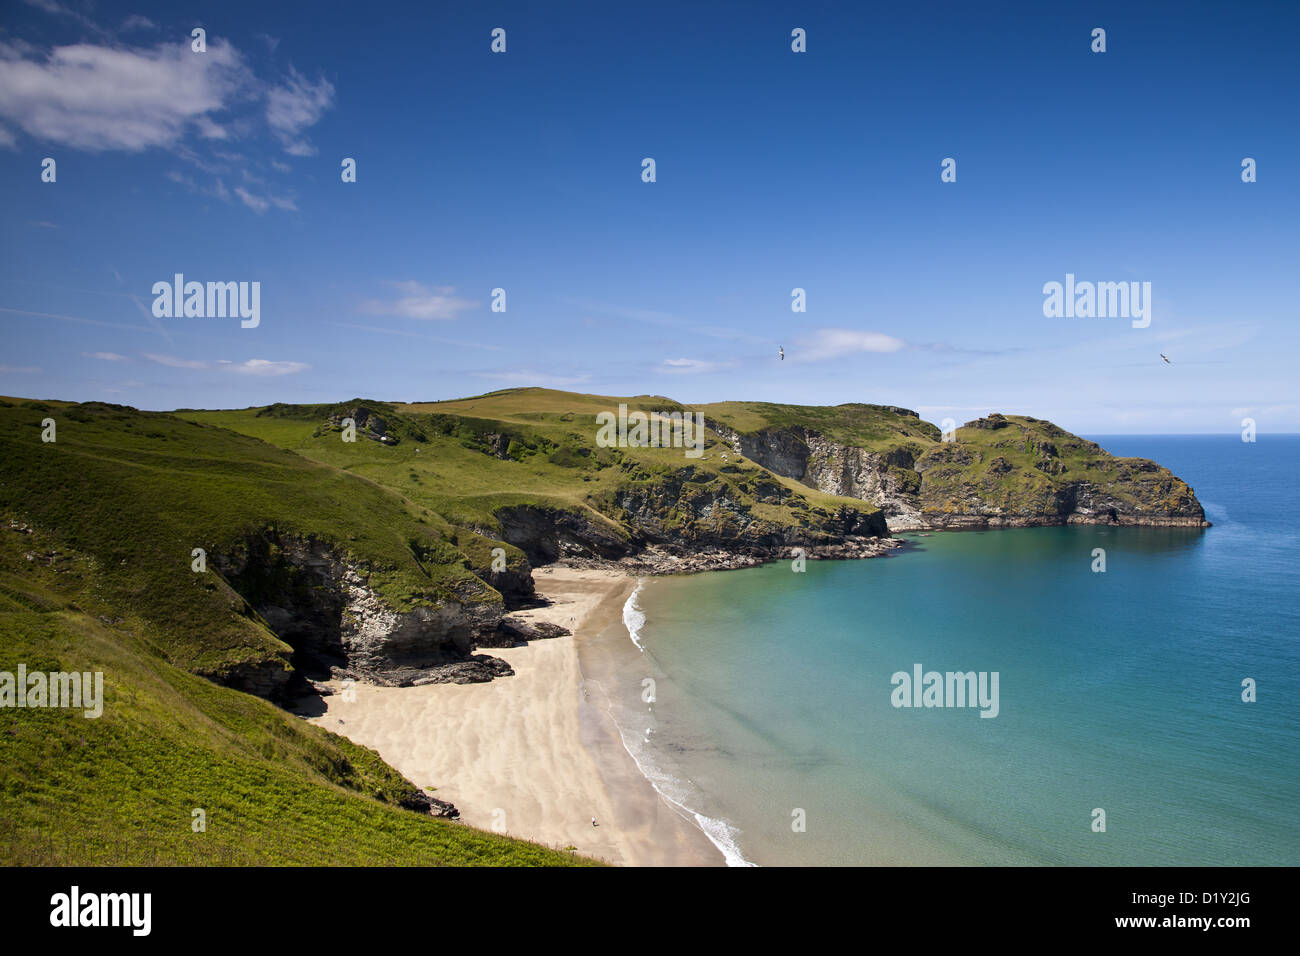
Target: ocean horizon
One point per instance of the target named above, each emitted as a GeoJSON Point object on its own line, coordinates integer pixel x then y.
{"type": "Point", "coordinates": [773, 726]}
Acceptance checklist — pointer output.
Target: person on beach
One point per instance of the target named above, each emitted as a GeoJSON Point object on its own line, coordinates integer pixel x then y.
{"type": "Point", "coordinates": [593, 822]}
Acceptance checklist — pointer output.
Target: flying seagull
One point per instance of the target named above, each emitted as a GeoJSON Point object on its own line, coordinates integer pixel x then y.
{"type": "Point", "coordinates": [781, 349]}
{"type": "Point", "coordinates": [1163, 356]}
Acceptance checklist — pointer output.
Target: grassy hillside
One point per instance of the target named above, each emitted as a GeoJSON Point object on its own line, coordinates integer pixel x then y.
{"type": "Point", "coordinates": [120, 789]}
{"type": "Point", "coordinates": [1003, 469]}
{"type": "Point", "coordinates": [873, 427]}
{"type": "Point", "coordinates": [97, 530]}
{"type": "Point", "coordinates": [136, 492]}
{"type": "Point", "coordinates": [1017, 465]}
{"type": "Point", "coordinates": [469, 459]}
{"type": "Point", "coordinates": [526, 405]}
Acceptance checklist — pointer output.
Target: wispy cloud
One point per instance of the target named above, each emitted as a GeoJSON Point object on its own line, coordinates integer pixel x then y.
{"type": "Point", "coordinates": [684, 366]}
{"type": "Point", "coordinates": [293, 106]}
{"type": "Point", "coordinates": [258, 367]}
{"type": "Point", "coordinates": [106, 356]}
{"type": "Point", "coordinates": [172, 361]}
{"type": "Point", "coordinates": [99, 98]}
{"type": "Point", "coordinates": [419, 301]}
{"type": "Point", "coordinates": [217, 188]}
{"type": "Point", "coordinates": [260, 204]}
{"type": "Point", "coordinates": [108, 93]}
{"type": "Point", "coordinates": [77, 319]}
{"type": "Point", "coordinates": [135, 22]}
{"type": "Point", "coordinates": [19, 370]}
{"type": "Point", "coordinates": [150, 319]}
{"type": "Point", "coordinates": [54, 8]}
{"type": "Point", "coordinates": [836, 343]}
{"type": "Point", "coordinates": [264, 367]}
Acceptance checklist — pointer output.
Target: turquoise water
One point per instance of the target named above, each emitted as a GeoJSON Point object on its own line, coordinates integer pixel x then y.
{"type": "Point", "coordinates": [1118, 690]}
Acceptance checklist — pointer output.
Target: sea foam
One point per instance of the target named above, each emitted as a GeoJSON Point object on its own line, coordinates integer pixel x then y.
{"type": "Point", "coordinates": [673, 790]}
{"type": "Point", "coordinates": [634, 617]}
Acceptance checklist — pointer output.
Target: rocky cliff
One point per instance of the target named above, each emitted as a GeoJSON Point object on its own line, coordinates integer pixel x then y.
{"type": "Point", "coordinates": [390, 542]}
{"type": "Point", "coordinates": [323, 605]}
{"type": "Point", "coordinates": [887, 478]}
{"type": "Point", "coordinates": [998, 471]}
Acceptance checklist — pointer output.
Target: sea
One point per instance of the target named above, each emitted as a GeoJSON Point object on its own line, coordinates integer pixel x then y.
{"type": "Point", "coordinates": [1147, 706]}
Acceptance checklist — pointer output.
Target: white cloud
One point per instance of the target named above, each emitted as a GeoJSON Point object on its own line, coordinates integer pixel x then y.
{"type": "Point", "coordinates": [100, 98]}
{"type": "Point", "coordinates": [294, 106]}
{"type": "Point", "coordinates": [172, 361]}
{"type": "Point", "coordinates": [682, 366]}
{"type": "Point", "coordinates": [264, 367]}
{"type": "Point", "coordinates": [57, 9]}
{"type": "Point", "coordinates": [261, 367]}
{"type": "Point", "coordinates": [19, 369]}
{"type": "Point", "coordinates": [137, 22]}
{"type": "Point", "coordinates": [209, 129]}
{"type": "Point", "coordinates": [420, 302]}
{"type": "Point", "coordinates": [105, 356]}
{"type": "Point", "coordinates": [109, 95]}
{"type": "Point", "coordinates": [260, 204]}
{"type": "Point", "coordinates": [835, 343]}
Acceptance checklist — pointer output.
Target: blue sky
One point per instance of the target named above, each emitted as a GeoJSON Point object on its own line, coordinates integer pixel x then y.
{"type": "Point", "coordinates": [775, 170]}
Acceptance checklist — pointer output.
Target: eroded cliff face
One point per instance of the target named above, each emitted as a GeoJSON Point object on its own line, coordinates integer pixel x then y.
{"type": "Point", "coordinates": [547, 534]}
{"type": "Point", "coordinates": [1024, 472]}
{"type": "Point", "coordinates": [689, 518]}
{"type": "Point", "coordinates": [888, 479]}
{"type": "Point", "coordinates": [743, 502]}
{"type": "Point", "coordinates": [1054, 480]}
{"type": "Point", "coordinates": [325, 608]}
{"type": "Point", "coordinates": [691, 509]}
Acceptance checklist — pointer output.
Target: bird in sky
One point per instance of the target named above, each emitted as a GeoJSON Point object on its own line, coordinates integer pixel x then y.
{"type": "Point", "coordinates": [1163, 356]}
{"type": "Point", "coordinates": [781, 349]}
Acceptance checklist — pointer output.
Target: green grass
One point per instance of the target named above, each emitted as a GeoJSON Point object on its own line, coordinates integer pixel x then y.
{"type": "Point", "coordinates": [102, 580]}
{"type": "Point", "coordinates": [874, 427]}
{"type": "Point", "coordinates": [1026, 464]}
{"type": "Point", "coordinates": [522, 446]}
{"type": "Point", "coordinates": [96, 532]}
{"type": "Point", "coordinates": [136, 492]}
{"type": "Point", "coordinates": [120, 789]}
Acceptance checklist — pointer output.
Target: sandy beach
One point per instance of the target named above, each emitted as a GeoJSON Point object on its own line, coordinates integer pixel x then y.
{"type": "Point", "coordinates": [535, 755]}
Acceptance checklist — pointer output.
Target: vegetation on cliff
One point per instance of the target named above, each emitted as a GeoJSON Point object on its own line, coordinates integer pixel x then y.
{"type": "Point", "coordinates": [1002, 470]}
{"type": "Point", "coordinates": [395, 535]}
{"type": "Point", "coordinates": [97, 530]}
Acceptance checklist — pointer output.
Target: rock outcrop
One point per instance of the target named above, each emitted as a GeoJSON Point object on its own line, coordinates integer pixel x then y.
{"type": "Point", "coordinates": [324, 607]}
{"type": "Point", "coordinates": [758, 492]}
{"type": "Point", "coordinates": [512, 632]}
{"type": "Point", "coordinates": [999, 471]}
{"type": "Point", "coordinates": [546, 534]}
{"type": "Point", "coordinates": [422, 802]}
{"type": "Point", "coordinates": [368, 424]}
{"type": "Point", "coordinates": [1016, 471]}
